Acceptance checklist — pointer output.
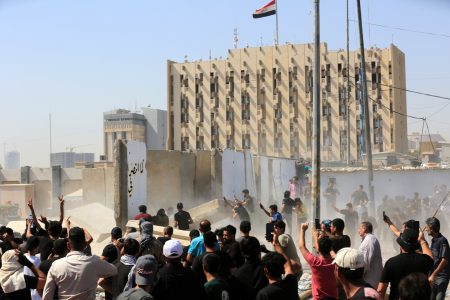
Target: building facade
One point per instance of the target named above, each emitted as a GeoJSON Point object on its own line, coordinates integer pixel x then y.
{"type": "Point", "coordinates": [12, 160]}
{"type": "Point", "coordinates": [70, 159]}
{"type": "Point", "coordinates": [261, 99]}
{"type": "Point", "coordinates": [148, 127]}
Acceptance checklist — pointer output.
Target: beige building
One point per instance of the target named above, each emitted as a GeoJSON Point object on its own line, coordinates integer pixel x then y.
{"type": "Point", "coordinates": [261, 99]}
{"type": "Point", "coordinates": [121, 124]}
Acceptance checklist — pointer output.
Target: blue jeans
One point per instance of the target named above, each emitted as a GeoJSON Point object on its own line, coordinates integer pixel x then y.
{"type": "Point", "coordinates": [439, 288]}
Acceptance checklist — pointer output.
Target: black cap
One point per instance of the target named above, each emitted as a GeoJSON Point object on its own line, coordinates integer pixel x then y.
{"type": "Point", "coordinates": [408, 240]}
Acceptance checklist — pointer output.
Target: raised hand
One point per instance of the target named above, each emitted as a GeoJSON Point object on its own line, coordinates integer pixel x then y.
{"type": "Point", "coordinates": [43, 219]}
{"type": "Point", "coordinates": [61, 200]}
{"type": "Point", "coordinates": [30, 203]}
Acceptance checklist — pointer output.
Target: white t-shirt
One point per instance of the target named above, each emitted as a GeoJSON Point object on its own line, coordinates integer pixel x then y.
{"type": "Point", "coordinates": [26, 271]}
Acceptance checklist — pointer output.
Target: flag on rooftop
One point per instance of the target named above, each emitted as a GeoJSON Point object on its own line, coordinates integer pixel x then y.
{"type": "Point", "coordinates": [267, 10]}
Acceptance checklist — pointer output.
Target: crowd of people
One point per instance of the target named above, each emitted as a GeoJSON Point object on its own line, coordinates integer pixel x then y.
{"type": "Point", "coordinates": [53, 260]}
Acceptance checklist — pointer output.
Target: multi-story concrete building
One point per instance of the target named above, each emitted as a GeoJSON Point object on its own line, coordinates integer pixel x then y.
{"type": "Point", "coordinates": [261, 99]}
{"type": "Point", "coordinates": [12, 160]}
{"type": "Point", "coordinates": [148, 127]}
{"type": "Point", "coordinates": [70, 159]}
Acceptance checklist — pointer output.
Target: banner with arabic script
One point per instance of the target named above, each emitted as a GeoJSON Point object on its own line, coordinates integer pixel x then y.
{"type": "Point", "coordinates": [137, 176]}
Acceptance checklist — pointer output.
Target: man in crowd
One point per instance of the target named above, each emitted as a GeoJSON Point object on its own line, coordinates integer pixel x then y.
{"type": "Point", "coordinates": [149, 244]}
{"type": "Point", "coordinates": [322, 268]}
{"type": "Point", "coordinates": [359, 196]}
{"type": "Point", "coordinates": [350, 265]}
{"type": "Point", "coordinates": [330, 195]}
{"type": "Point", "coordinates": [127, 261]}
{"type": "Point", "coordinates": [249, 279]}
{"type": "Point", "coordinates": [287, 244]}
{"type": "Point", "coordinates": [245, 227]}
{"type": "Point", "coordinates": [197, 246]}
{"type": "Point", "coordinates": [351, 219]}
{"type": "Point", "coordinates": [168, 232]}
{"type": "Point", "coordinates": [174, 281]}
{"type": "Point", "coordinates": [143, 214]}
{"type": "Point", "coordinates": [182, 218]}
{"type": "Point", "coordinates": [231, 246]}
{"type": "Point", "coordinates": [415, 286]}
{"type": "Point", "coordinates": [440, 274]}
{"type": "Point", "coordinates": [407, 262]}
{"type": "Point", "coordinates": [338, 239]}
{"type": "Point", "coordinates": [248, 201]}
{"type": "Point", "coordinates": [272, 213]}
{"type": "Point", "coordinates": [216, 288]}
{"type": "Point", "coordinates": [76, 275]}
{"type": "Point", "coordinates": [145, 273]}
{"type": "Point", "coordinates": [286, 208]}
{"type": "Point", "coordinates": [371, 250]}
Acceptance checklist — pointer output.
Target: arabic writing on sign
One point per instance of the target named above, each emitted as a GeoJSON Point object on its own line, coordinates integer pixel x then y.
{"type": "Point", "coordinates": [137, 169]}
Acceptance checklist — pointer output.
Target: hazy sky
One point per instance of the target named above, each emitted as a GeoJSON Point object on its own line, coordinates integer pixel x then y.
{"type": "Point", "coordinates": [77, 59]}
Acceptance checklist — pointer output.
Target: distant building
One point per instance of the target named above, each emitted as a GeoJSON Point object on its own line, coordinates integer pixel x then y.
{"type": "Point", "coordinates": [148, 127]}
{"type": "Point", "coordinates": [70, 159]}
{"type": "Point", "coordinates": [415, 138]}
{"type": "Point", "coordinates": [261, 99]}
{"type": "Point", "coordinates": [156, 128]}
{"type": "Point", "coordinates": [12, 160]}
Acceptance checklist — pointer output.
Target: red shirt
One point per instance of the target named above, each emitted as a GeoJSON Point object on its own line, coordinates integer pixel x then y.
{"type": "Point", "coordinates": [323, 280]}
{"type": "Point", "coordinates": [142, 216]}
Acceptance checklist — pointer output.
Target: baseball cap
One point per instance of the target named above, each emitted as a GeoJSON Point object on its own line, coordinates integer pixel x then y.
{"type": "Point", "coordinates": [327, 223]}
{"type": "Point", "coordinates": [145, 270]}
{"type": "Point", "coordinates": [172, 249]}
{"type": "Point", "coordinates": [349, 258]}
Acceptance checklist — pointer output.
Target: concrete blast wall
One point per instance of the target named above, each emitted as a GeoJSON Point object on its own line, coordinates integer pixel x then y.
{"type": "Point", "coordinates": [98, 186]}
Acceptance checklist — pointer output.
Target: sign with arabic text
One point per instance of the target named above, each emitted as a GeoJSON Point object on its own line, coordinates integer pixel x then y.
{"type": "Point", "coordinates": [137, 176]}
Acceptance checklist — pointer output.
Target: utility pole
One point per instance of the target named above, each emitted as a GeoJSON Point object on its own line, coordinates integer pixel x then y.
{"type": "Point", "coordinates": [348, 91]}
{"type": "Point", "coordinates": [367, 135]}
{"type": "Point", "coordinates": [50, 133]}
{"type": "Point", "coordinates": [315, 189]}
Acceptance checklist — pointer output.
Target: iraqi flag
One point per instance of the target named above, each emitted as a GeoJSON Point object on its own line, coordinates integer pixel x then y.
{"type": "Point", "coordinates": [267, 10]}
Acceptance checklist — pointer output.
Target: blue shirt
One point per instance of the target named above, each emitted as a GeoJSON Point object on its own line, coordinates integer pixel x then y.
{"type": "Point", "coordinates": [277, 217]}
{"type": "Point", "coordinates": [197, 246]}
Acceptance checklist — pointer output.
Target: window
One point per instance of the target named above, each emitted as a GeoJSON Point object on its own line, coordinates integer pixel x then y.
{"type": "Point", "coordinates": [327, 138]}
{"type": "Point", "coordinates": [114, 135]}
{"type": "Point", "coordinates": [185, 143]}
{"type": "Point", "coordinates": [230, 115]}
{"type": "Point", "coordinates": [230, 142]}
{"type": "Point", "coordinates": [278, 143]}
{"type": "Point", "coordinates": [262, 75]}
{"type": "Point", "coordinates": [246, 141]}
{"type": "Point", "coordinates": [123, 135]}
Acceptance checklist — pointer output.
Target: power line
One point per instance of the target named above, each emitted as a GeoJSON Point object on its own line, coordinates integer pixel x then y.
{"type": "Point", "coordinates": [407, 29]}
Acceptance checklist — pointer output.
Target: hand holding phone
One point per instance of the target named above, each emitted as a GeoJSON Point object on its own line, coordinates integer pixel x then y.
{"type": "Point", "coordinates": [317, 224]}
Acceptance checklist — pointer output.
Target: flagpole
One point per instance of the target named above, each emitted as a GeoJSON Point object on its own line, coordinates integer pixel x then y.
{"type": "Point", "coordinates": [276, 21]}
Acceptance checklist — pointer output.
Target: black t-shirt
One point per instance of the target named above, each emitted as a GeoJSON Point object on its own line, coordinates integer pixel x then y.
{"type": "Point", "coordinates": [288, 205]}
{"type": "Point", "coordinates": [286, 289]}
{"type": "Point", "coordinates": [351, 219]}
{"type": "Point", "coordinates": [402, 265]}
{"type": "Point", "coordinates": [242, 213]}
{"type": "Point", "coordinates": [24, 294]}
{"type": "Point", "coordinates": [120, 279]}
{"type": "Point", "coordinates": [234, 250]}
{"type": "Point", "coordinates": [163, 239]}
{"type": "Point", "coordinates": [226, 263]}
{"type": "Point", "coordinates": [361, 293]}
{"type": "Point", "coordinates": [45, 247]}
{"type": "Point", "coordinates": [440, 249]}
{"type": "Point", "coordinates": [176, 282]}
{"type": "Point", "coordinates": [249, 279]}
{"type": "Point", "coordinates": [182, 217]}
{"type": "Point", "coordinates": [46, 264]}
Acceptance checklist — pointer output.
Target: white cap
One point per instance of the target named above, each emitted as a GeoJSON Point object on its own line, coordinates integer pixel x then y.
{"type": "Point", "coordinates": [349, 258]}
{"type": "Point", "coordinates": [172, 249]}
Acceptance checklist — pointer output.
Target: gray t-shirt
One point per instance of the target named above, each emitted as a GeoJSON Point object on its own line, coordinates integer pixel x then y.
{"type": "Point", "coordinates": [135, 294]}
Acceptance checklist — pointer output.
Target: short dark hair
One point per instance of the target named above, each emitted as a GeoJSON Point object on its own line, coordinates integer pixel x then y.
{"type": "Point", "coordinates": [205, 226]}
{"type": "Point", "coordinates": [180, 205]}
{"type": "Point", "coordinates": [169, 230]}
{"type": "Point", "coordinates": [245, 191]}
{"type": "Point", "coordinates": [110, 252]}
{"type": "Point", "coordinates": [142, 208]}
{"type": "Point", "coordinates": [245, 226]}
{"type": "Point", "coordinates": [60, 246]}
{"type": "Point", "coordinates": [131, 246]}
{"type": "Point", "coordinates": [274, 262]}
{"type": "Point", "coordinates": [287, 194]}
{"type": "Point", "coordinates": [210, 239]}
{"type": "Point", "coordinates": [415, 286]}
{"type": "Point", "coordinates": [280, 224]}
{"type": "Point", "coordinates": [54, 228]}
{"type": "Point", "coordinates": [324, 245]}
{"type": "Point", "coordinates": [211, 263]}
{"type": "Point", "coordinates": [32, 243]}
{"type": "Point", "coordinates": [339, 242]}
{"type": "Point", "coordinates": [250, 247]}
{"type": "Point", "coordinates": [116, 233]}
{"type": "Point", "coordinates": [368, 226]}
{"type": "Point", "coordinates": [77, 238]}
{"type": "Point", "coordinates": [230, 229]}
{"type": "Point", "coordinates": [194, 233]}
{"type": "Point", "coordinates": [433, 223]}
{"type": "Point", "coordinates": [352, 275]}
{"type": "Point", "coordinates": [339, 224]}
{"type": "Point", "coordinates": [273, 207]}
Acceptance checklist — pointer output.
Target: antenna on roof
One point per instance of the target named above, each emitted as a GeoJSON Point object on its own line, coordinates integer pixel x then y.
{"type": "Point", "coordinates": [235, 39]}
